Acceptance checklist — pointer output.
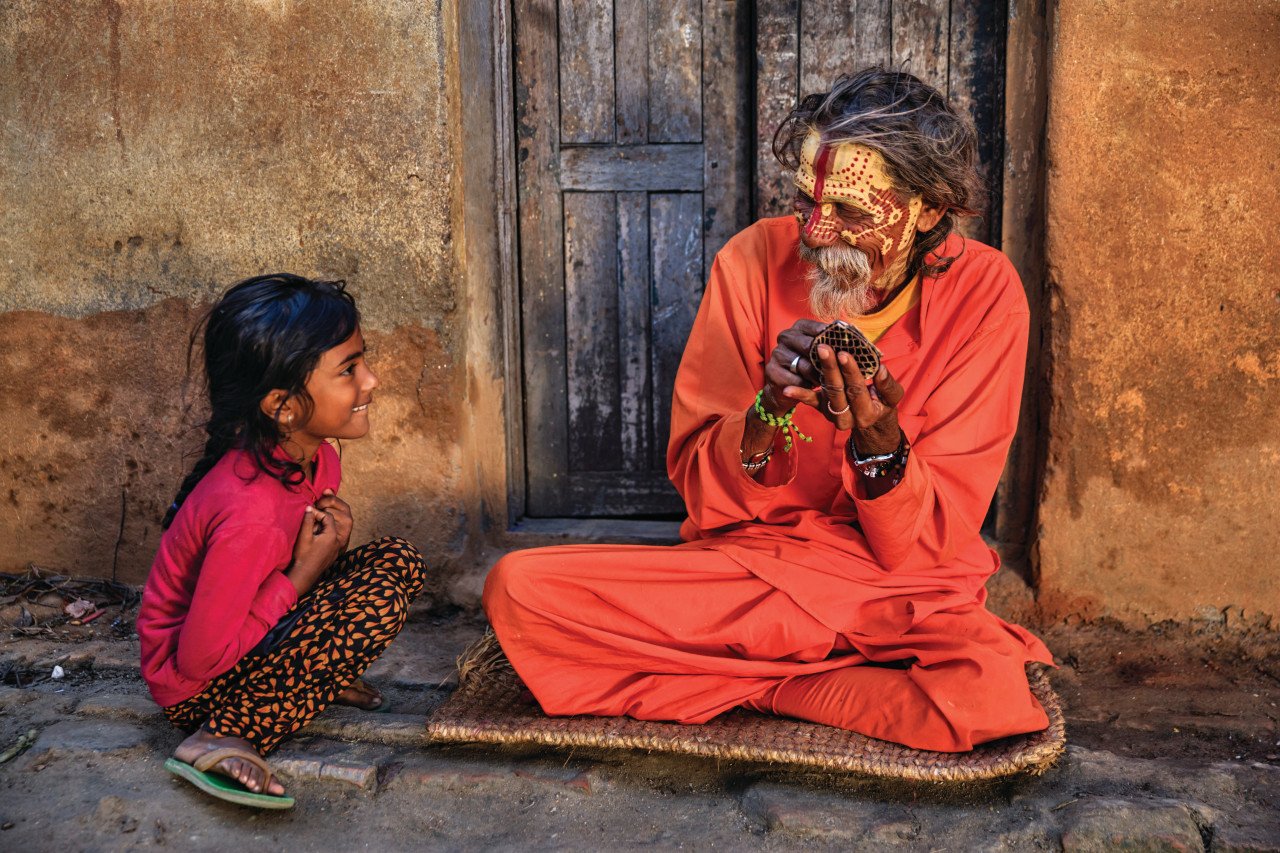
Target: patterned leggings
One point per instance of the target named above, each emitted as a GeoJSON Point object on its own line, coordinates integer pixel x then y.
{"type": "Point", "coordinates": [315, 652]}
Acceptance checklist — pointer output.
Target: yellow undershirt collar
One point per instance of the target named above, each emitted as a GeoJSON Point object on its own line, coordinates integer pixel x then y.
{"type": "Point", "coordinates": [874, 325]}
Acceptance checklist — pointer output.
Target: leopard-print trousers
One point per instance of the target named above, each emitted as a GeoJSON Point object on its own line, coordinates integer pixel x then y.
{"type": "Point", "coordinates": [315, 652]}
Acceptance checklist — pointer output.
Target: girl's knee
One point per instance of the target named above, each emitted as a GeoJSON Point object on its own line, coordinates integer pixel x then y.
{"type": "Point", "coordinates": [399, 562]}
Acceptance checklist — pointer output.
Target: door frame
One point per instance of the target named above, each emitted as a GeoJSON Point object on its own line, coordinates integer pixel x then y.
{"type": "Point", "coordinates": [489, 254]}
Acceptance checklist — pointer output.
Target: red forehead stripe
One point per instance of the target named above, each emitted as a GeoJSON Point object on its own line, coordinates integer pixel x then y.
{"type": "Point", "coordinates": [820, 167]}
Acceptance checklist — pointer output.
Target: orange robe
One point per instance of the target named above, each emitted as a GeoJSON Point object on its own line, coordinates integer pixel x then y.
{"type": "Point", "coordinates": [798, 594]}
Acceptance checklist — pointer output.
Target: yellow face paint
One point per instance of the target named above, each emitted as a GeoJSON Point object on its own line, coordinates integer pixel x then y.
{"type": "Point", "coordinates": [856, 178]}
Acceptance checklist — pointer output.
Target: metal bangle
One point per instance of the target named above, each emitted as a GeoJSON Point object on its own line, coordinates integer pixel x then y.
{"type": "Point", "coordinates": [756, 461]}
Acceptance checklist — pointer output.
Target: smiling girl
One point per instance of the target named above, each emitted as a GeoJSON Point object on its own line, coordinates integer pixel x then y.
{"type": "Point", "coordinates": [254, 619]}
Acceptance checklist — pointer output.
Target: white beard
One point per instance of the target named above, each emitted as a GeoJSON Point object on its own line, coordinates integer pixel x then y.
{"type": "Point", "coordinates": [840, 285]}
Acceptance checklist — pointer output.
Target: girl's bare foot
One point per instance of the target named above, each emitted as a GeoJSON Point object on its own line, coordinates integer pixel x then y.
{"type": "Point", "coordinates": [249, 775]}
{"type": "Point", "coordinates": [360, 695]}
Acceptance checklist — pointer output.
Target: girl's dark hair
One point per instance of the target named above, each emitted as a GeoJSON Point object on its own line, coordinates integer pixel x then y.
{"type": "Point", "coordinates": [266, 332]}
{"type": "Point", "coordinates": [931, 149]}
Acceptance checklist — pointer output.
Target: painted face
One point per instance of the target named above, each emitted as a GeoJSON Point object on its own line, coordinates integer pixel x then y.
{"type": "Point", "coordinates": [852, 199]}
{"type": "Point", "coordinates": [341, 388]}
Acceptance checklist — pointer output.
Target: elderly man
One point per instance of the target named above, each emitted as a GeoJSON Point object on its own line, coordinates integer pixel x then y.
{"type": "Point", "coordinates": [832, 568]}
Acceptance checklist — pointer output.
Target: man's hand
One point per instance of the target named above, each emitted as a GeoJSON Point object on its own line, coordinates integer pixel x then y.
{"type": "Point", "coordinates": [315, 549]}
{"type": "Point", "coordinates": [847, 401]}
{"type": "Point", "coordinates": [791, 352]}
{"type": "Point", "coordinates": [779, 374]}
{"type": "Point", "coordinates": [341, 512]}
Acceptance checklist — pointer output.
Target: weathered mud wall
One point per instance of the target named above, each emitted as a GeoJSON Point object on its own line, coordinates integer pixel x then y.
{"type": "Point", "coordinates": [1160, 497]}
{"type": "Point", "coordinates": [153, 152]}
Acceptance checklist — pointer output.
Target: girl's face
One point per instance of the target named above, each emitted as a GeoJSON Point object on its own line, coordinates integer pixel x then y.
{"type": "Point", "coordinates": [341, 389]}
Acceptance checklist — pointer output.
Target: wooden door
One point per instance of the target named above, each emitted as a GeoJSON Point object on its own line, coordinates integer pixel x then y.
{"type": "Point", "coordinates": [633, 148]}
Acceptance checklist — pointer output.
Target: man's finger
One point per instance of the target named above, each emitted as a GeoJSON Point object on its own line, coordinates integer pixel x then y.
{"type": "Point", "coordinates": [780, 374]}
{"type": "Point", "coordinates": [808, 396]}
{"type": "Point", "coordinates": [887, 387]}
{"type": "Point", "coordinates": [809, 327]}
{"type": "Point", "coordinates": [791, 345]}
{"type": "Point", "coordinates": [864, 408]}
{"type": "Point", "coordinates": [796, 341]}
{"type": "Point", "coordinates": [833, 384]}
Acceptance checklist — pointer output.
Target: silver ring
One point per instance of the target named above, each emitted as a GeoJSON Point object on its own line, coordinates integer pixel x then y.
{"type": "Point", "coordinates": [834, 412]}
{"type": "Point", "coordinates": [795, 365]}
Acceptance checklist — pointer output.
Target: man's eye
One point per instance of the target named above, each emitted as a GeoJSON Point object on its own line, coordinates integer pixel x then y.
{"type": "Point", "coordinates": [350, 371]}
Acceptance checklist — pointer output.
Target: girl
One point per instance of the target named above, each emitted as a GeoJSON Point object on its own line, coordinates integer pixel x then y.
{"type": "Point", "coordinates": [253, 619]}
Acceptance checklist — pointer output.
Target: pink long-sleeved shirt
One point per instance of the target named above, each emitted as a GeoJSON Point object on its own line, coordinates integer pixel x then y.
{"type": "Point", "coordinates": [217, 584]}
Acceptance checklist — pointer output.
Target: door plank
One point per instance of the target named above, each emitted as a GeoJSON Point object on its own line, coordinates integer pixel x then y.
{"type": "Point", "coordinates": [873, 44]}
{"type": "Point", "coordinates": [633, 330]}
{"type": "Point", "coordinates": [675, 71]}
{"type": "Point", "coordinates": [591, 311]}
{"type": "Point", "coordinates": [541, 253]}
{"type": "Point", "coordinates": [675, 228]}
{"type": "Point", "coordinates": [631, 83]}
{"type": "Point", "coordinates": [921, 39]}
{"type": "Point", "coordinates": [586, 71]}
{"type": "Point", "coordinates": [624, 493]}
{"type": "Point", "coordinates": [976, 86]}
{"type": "Point", "coordinates": [671, 168]}
{"type": "Point", "coordinates": [726, 124]}
{"type": "Point", "coordinates": [777, 83]}
{"type": "Point", "coordinates": [828, 43]}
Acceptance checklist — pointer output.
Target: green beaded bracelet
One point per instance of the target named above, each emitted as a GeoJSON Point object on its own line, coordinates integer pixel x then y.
{"type": "Point", "coordinates": [784, 422]}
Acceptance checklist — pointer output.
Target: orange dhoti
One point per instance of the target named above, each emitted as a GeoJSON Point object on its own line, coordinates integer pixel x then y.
{"type": "Point", "coordinates": [686, 633]}
{"type": "Point", "coordinates": [797, 591]}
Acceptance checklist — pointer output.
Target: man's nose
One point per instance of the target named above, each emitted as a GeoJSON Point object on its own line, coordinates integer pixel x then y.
{"type": "Point", "coordinates": [822, 228]}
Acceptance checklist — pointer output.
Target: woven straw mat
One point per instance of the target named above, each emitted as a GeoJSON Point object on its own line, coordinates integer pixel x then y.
{"type": "Point", "coordinates": [491, 705]}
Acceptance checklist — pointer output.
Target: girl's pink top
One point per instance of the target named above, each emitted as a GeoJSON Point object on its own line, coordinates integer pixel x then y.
{"type": "Point", "coordinates": [217, 584]}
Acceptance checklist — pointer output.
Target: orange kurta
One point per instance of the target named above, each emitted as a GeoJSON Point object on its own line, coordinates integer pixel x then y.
{"type": "Point", "coordinates": [787, 588]}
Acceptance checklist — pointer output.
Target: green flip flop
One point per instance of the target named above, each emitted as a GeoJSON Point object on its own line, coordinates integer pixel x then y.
{"type": "Point", "coordinates": [224, 787]}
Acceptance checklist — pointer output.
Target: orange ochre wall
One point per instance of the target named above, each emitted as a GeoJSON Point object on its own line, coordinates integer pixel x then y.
{"type": "Point", "coordinates": [1164, 449]}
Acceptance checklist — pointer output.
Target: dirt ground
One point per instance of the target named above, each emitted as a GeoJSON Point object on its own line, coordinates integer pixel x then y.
{"type": "Point", "coordinates": [1174, 737]}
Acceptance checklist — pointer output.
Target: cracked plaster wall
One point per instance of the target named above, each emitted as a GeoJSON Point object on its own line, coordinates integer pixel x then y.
{"type": "Point", "coordinates": [151, 154]}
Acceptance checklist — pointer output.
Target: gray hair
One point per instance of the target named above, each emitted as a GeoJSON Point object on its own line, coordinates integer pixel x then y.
{"type": "Point", "coordinates": [930, 149]}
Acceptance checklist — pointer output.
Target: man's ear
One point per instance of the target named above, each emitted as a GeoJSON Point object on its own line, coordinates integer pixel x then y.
{"type": "Point", "coordinates": [278, 406]}
{"type": "Point", "coordinates": [929, 217]}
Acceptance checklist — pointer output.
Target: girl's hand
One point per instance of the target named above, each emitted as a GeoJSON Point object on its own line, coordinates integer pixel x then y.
{"type": "Point", "coordinates": [341, 512]}
{"type": "Point", "coordinates": [315, 549]}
